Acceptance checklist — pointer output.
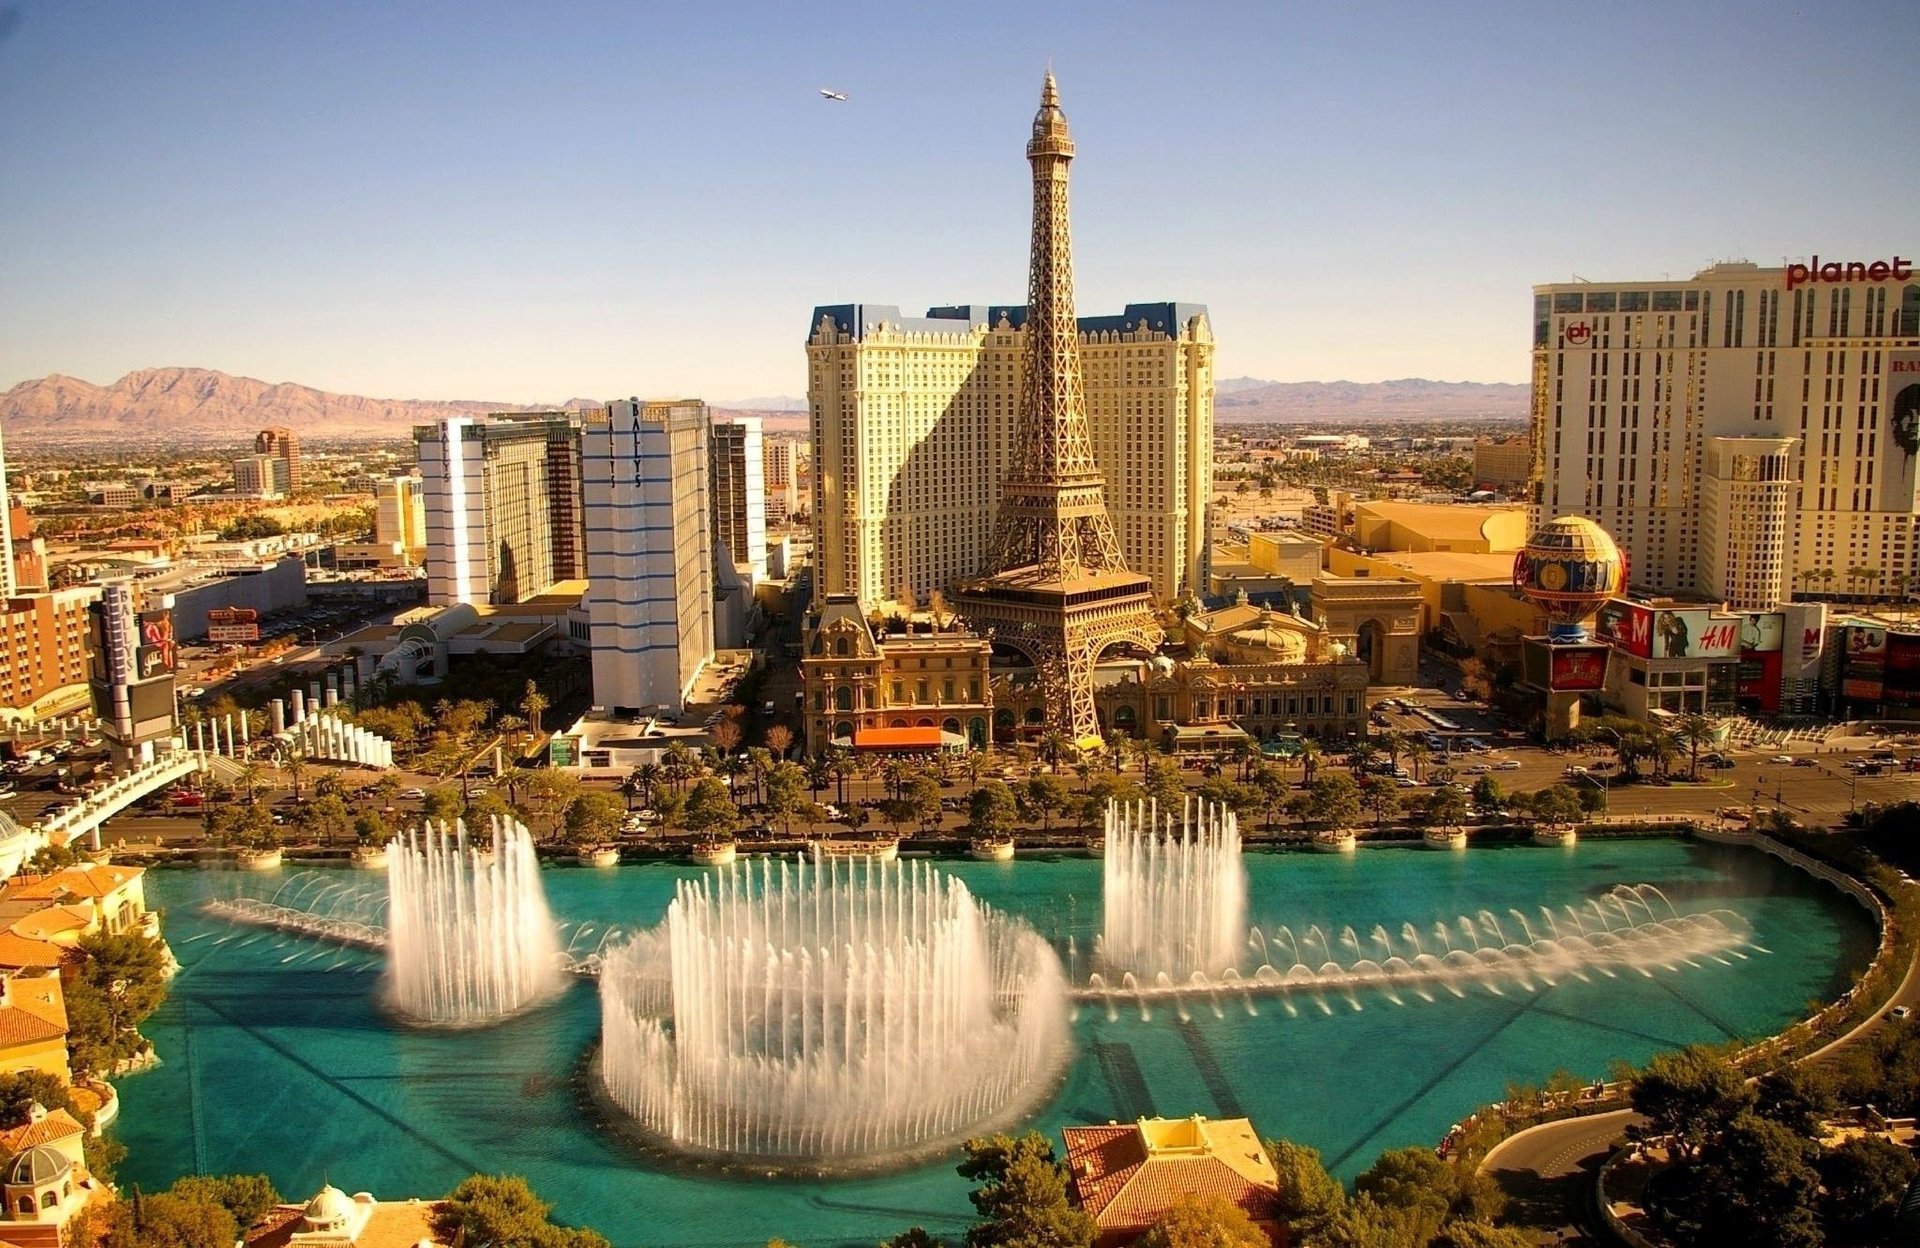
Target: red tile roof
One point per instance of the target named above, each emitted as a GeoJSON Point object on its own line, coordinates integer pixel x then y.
{"type": "Point", "coordinates": [57, 1125]}
{"type": "Point", "coordinates": [1126, 1189]}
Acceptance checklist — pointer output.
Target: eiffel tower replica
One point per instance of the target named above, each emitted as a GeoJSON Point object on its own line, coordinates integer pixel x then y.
{"type": "Point", "coordinates": [1057, 588]}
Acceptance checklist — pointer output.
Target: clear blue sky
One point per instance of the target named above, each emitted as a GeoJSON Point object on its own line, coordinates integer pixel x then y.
{"type": "Point", "coordinates": [531, 201]}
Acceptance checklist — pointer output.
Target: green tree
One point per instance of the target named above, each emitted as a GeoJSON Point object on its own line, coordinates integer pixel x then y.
{"type": "Point", "coordinates": [1477, 1234]}
{"type": "Point", "coordinates": [593, 818]}
{"type": "Point", "coordinates": [244, 1196]}
{"type": "Point", "coordinates": [443, 802]}
{"type": "Point", "coordinates": [167, 1221]}
{"type": "Point", "coordinates": [1797, 1097]}
{"type": "Point", "coordinates": [1556, 805]}
{"type": "Point", "coordinates": [1487, 794]}
{"type": "Point", "coordinates": [1364, 1222]}
{"type": "Point", "coordinates": [1416, 1178]}
{"type": "Point", "coordinates": [710, 810]}
{"type": "Point", "coordinates": [1204, 1222]}
{"type": "Point", "coordinates": [992, 811]}
{"type": "Point", "coordinates": [1022, 1196]}
{"type": "Point", "coordinates": [1445, 808]}
{"type": "Point", "coordinates": [923, 793]}
{"type": "Point", "coordinates": [502, 1211]}
{"type": "Point", "coordinates": [1756, 1185]}
{"type": "Point", "coordinates": [1309, 1196]}
{"type": "Point", "coordinates": [1380, 796]}
{"type": "Point", "coordinates": [1689, 1095]}
{"type": "Point", "coordinates": [787, 793]}
{"type": "Point", "coordinates": [325, 817]}
{"type": "Point", "coordinates": [121, 980]}
{"type": "Point", "coordinates": [1044, 795]}
{"type": "Point", "coordinates": [50, 858]}
{"type": "Point", "coordinates": [1864, 1180]}
{"type": "Point", "coordinates": [1334, 799]}
{"type": "Point", "coordinates": [19, 1093]}
{"type": "Point", "coordinates": [1163, 783]}
{"type": "Point", "coordinates": [370, 828]}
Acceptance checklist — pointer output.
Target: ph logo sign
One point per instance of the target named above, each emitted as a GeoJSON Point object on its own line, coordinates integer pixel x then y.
{"type": "Point", "coordinates": [1578, 334]}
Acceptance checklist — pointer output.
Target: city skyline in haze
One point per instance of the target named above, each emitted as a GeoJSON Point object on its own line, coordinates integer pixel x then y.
{"type": "Point", "coordinates": [524, 205]}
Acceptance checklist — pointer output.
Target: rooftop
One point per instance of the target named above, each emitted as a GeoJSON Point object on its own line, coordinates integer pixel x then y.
{"type": "Point", "coordinates": [860, 319]}
{"type": "Point", "coordinates": [1126, 1176]}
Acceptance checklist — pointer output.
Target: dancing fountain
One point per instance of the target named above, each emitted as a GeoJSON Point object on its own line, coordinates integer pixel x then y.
{"type": "Point", "coordinates": [1175, 897]}
{"type": "Point", "coordinates": [1175, 929]}
{"type": "Point", "coordinates": [469, 939]}
{"type": "Point", "coordinates": [830, 1015]}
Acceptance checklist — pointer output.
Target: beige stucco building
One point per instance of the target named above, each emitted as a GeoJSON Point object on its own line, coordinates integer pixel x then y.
{"type": "Point", "coordinates": [912, 433]}
{"type": "Point", "coordinates": [866, 689]}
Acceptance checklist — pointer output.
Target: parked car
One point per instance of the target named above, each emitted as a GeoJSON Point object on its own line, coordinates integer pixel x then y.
{"type": "Point", "coordinates": [1786, 759]}
{"type": "Point", "coordinates": [1798, 762]}
{"type": "Point", "coordinates": [413, 794]}
{"type": "Point", "coordinates": [1507, 764]}
{"type": "Point", "coordinates": [1478, 769]}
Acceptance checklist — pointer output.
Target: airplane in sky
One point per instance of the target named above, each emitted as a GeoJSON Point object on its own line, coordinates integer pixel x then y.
{"type": "Point", "coordinates": [828, 93]}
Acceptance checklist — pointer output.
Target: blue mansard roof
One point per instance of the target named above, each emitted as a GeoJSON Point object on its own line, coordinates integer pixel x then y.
{"type": "Point", "coordinates": [859, 319]}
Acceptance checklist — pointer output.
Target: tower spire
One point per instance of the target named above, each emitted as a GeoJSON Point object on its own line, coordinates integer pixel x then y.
{"type": "Point", "coordinates": [1057, 589]}
{"type": "Point", "coordinates": [1053, 507]}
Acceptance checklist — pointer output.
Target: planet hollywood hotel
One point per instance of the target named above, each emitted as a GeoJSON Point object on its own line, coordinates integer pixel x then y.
{"type": "Point", "coordinates": [1744, 435]}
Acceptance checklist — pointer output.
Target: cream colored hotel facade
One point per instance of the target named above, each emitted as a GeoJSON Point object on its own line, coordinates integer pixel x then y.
{"type": "Point", "coordinates": [913, 423]}
{"type": "Point", "coordinates": [1743, 433]}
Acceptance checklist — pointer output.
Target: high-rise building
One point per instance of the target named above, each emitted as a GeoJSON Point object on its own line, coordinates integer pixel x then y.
{"type": "Point", "coordinates": [43, 653]}
{"type": "Point", "coordinates": [130, 667]}
{"type": "Point", "coordinates": [778, 467]}
{"type": "Point", "coordinates": [503, 518]}
{"type": "Point", "coordinates": [1058, 587]}
{"type": "Point", "coordinates": [1743, 433]}
{"type": "Point", "coordinates": [1501, 463]}
{"type": "Point", "coordinates": [739, 493]}
{"type": "Point", "coordinates": [400, 515]}
{"type": "Point", "coordinates": [913, 426]}
{"type": "Point", "coordinates": [260, 476]}
{"type": "Point", "coordinates": [6, 526]}
{"type": "Point", "coordinates": [284, 445]}
{"type": "Point", "coordinates": [650, 554]}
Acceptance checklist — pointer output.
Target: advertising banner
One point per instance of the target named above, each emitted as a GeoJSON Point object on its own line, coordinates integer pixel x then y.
{"type": "Point", "coordinates": [1903, 399]}
{"type": "Point", "coordinates": [1578, 668]}
{"type": "Point", "coordinates": [1762, 632]}
{"type": "Point", "coordinates": [233, 632]}
{"type": "Point", "coordinates": [1864, 660]}
{"type": "Point", "coordinates": [233, 615]}
{"type": "Point", "coordinates": [1625, 626]}
{"type": "Point", "coordinates": [1901, 683]}
{"type": "Point", "coordinates": [155, 656]}
{"type": "Point", "coordinates": [1804, 641]}
{"type": "Point", "coordinates": [1694, 633]}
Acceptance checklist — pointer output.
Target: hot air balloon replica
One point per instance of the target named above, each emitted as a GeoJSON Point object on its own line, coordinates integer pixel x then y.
{"type": "Point", "coordinates": [1569, 568]}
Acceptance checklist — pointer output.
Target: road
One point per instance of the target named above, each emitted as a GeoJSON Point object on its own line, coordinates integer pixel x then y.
{"type": "Point", "coordinates": [1550, 1170]}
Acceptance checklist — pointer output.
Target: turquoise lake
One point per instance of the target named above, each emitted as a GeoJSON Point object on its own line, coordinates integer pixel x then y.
{"type": "Point", "coordinates": [276, 1055]}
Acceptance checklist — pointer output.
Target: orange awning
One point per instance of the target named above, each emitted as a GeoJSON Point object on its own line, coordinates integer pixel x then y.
{"type": "Point", "coordinates": [896, 739]}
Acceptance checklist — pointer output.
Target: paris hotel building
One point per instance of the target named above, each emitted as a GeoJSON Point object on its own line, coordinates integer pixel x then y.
{"type": "Point", "coordinates": [1744, 433]}
{"type": "Point", "coordinates": [913, 423]}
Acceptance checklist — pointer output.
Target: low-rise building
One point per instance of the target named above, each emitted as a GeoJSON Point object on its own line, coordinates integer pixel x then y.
{"type": "Point", "coordinates": [33, 1025]}
{"type": "Point", "coordinates": [44, 1182]}
{"type": "Point", "coordinates": [332, 1219]}
{"type": "Point", "coordinates": [1127, 1176]}
{"type": "Point", "coordinates": [863, 688]}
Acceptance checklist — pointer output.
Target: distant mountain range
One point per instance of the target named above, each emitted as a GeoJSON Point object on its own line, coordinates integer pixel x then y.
{"type": "Point", "coordinates": [1250, 401]}
{"type": "Point", "coordinates": [198, 404]}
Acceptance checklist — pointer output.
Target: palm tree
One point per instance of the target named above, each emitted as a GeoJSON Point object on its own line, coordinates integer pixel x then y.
{"type": "Point", "coordinates": [532, 703]}
{"type": "Point", "coordinates": [1693, 729]}
{"type": "Point", "coordinates": [1361, 755]}
{"type": "Point", "coordinates": [679, 764]}
{"type": "Point", "coordinates": [1807, 577]}
{"type": "Point", "coordinates": [1873, 577]}
{"type": "Point", "coordinates": [1826, 579]}
{"type": "Point", "coordinates": [1418, 753]}
{"type": "Point", "coordinates": [1390, 743]}
{"type": "Point", "coordinates": [649, 777]}
{"type": "Point", "coordinates": [630, 786]}
{"type": "Point", "coordinates": [1309, 760]}
{"type": "Point", "coordinates": [1054, 746]}
{"type": "Point", "coordinates": [1855, 574]}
